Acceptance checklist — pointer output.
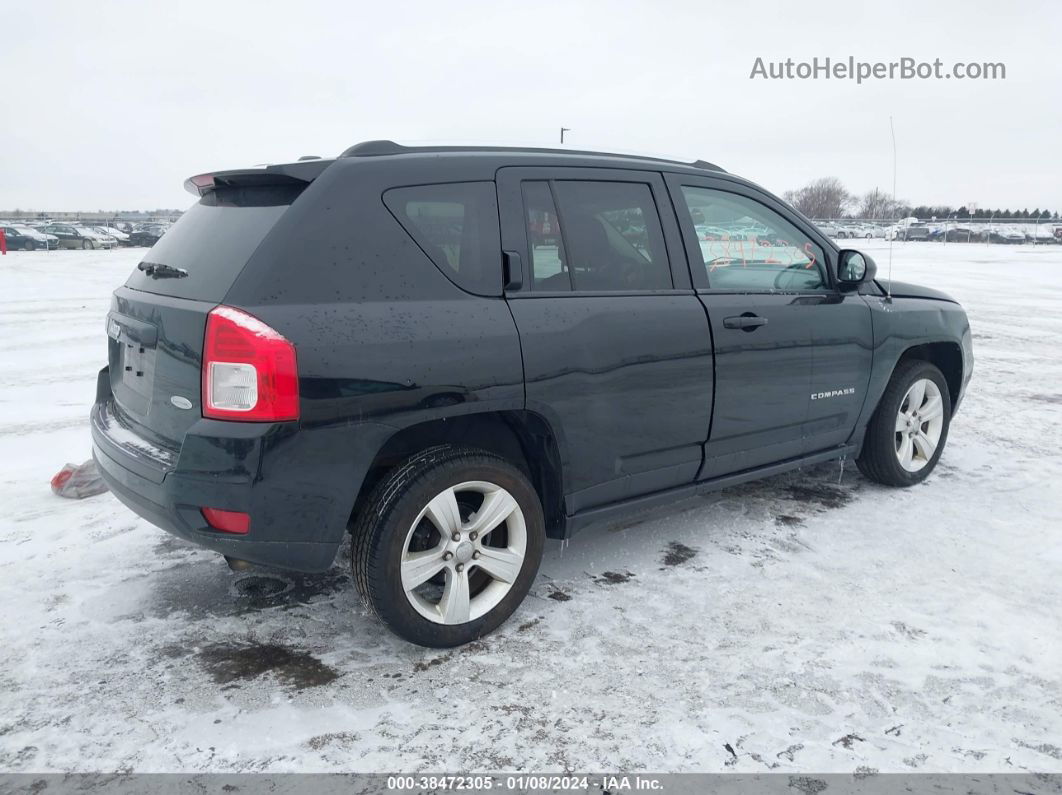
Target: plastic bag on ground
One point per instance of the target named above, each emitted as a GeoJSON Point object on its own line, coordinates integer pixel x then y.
{"type": "Point", "coordinates": [78, 482]}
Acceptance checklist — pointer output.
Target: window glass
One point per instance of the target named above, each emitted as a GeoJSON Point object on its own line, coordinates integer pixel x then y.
{"type": "Point", "coordinates": [549, 270]}
{"type": "Point", "coordinates": [212, 241]}
{"type": "Point", "coordinates": [457, 226]}
{"type": "Point", "coordinates": [612, 236]}
{"type": "Point", "coordinates": [746, 246]}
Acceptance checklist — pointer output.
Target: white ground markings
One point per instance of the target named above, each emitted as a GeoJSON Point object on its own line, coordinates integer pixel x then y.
{"type": "Point", "coordinates": [794, 624]}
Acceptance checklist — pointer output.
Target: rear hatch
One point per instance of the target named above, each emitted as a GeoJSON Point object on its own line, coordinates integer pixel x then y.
{"type": "Point", "coordinates": [157, 320]}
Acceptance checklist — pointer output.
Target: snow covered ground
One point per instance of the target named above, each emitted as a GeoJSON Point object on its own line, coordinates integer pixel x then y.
{"type": "Point", "coordinates": [802, 623]}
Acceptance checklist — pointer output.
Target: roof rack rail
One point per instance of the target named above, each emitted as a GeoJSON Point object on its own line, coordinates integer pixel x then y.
{"type": "Point", "coordinates": [385, 147]}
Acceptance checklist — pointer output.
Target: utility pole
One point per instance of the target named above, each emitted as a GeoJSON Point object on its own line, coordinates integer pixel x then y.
{"type": "Point", "coordinates": [564, 130]}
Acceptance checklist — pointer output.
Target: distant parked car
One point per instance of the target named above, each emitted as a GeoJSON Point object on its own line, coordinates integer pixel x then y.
{"type": "Point", "coordinates": [964, 234]}
{"type": "Point", "coordinates": [1041, 234]}
{"type": "Point", "coordinates": [1005, 235]}
{"type": "Point", "coordinates": [105, 240]}
{"type": "Point", "coordinates": [26, 238]}
{"type": "Point", "coordinates": [74, 236]}
{"type": "Point", "coordinates": [144, 237]}
{"type": "Point", "coordinates": [705, 232]}
{"type": "Point", "coordinates": [121, 237]}
{"type": "Point", "coordinates": [828, 229]}
{"type": "Point", "coordinates": [916, 232]}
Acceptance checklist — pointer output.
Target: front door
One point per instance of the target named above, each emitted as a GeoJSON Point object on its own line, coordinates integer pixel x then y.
{"type": "Point", "coordinates": [782, 330]}
{"type": "Point", "coordinates": [616, 346]}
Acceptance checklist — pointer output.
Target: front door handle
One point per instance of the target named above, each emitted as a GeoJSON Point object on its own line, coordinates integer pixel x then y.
{"type": "Point", "coordinates": [745, 322]}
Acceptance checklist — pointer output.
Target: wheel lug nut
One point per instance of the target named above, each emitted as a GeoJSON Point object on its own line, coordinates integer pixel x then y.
{"type": "Point", "coordinates": [456, 536]}
{"type": "Point", "coordinates": [475, 556]}
{"type": "Point", "coordinates": [448, 555]}
{"type": "Point", "coordinates": [472, 536]}
{"type": "Point", "coordinates": [460, 567]}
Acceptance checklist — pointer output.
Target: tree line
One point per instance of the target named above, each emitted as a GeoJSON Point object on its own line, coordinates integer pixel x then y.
{"type": "Point", "coordinates": [828, 198]}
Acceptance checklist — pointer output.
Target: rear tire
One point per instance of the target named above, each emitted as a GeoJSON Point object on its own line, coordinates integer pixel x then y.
{"type": "Point", "coordinates": [906, 435]}
{"type": "Point", "coordinates": [30, 245]}
{"type": "Point", "coordinates": [447, 545]}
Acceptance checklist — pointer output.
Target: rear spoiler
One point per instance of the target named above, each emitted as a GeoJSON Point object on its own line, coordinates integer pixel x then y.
{"type": "Point", "coordinates": [302, 173]}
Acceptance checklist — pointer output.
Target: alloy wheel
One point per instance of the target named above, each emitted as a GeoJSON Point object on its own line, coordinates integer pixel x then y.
{"type": "Point", "coordinates": [919, 424]}
{"type": "Point", "coordinates": [463, 552]}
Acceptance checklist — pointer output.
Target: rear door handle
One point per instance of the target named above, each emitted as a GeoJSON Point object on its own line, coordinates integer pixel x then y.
{"type": "Point", "coordinates": [746, 322]}
{"type": "Point", "coordinates": [514, 271]}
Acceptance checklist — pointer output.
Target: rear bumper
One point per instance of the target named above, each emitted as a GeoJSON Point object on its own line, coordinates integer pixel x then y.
{"type": "Point", "coordinates": [162, 505]}
{"type": "Point", "coordinates": [298, 485]}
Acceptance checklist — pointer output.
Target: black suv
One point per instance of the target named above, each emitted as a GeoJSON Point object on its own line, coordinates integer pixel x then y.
{"type": "Point", "coordinates": [456, 353]}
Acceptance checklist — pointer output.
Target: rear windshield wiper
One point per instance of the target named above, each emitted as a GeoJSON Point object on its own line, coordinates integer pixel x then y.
{"type": "Point", "coordinates": [156, 270]}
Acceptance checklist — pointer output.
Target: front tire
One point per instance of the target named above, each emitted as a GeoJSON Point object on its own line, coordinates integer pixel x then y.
{"type": "Point", "coordinates": [30, 245]}
{"type": "Point", "coordinates": [447, 545]}
{"type": "Point", "coordinates": [908, 431]}
{"type": "Point", "coordinates": [86, 244]}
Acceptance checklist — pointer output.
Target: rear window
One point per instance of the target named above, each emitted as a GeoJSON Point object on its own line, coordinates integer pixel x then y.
{"type": "Point", "coordinates": [212, 242]}
{"type": "Point", "coordinates": [456, 225]}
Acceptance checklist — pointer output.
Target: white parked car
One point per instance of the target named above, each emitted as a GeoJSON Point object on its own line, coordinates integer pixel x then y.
{"type": "Point", "coordinates": [121, 237]}
{"type": "Point", "coordinates": [105, 241]}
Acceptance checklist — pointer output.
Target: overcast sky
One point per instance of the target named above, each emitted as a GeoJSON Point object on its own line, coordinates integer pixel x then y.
{"type": "Point", "coordinates": [112, 105]}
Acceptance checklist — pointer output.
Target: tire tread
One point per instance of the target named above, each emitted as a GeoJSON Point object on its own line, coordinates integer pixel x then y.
{"type": "Point", "coordinates": [877, 459]}
{"type": "Point", "coordinates": [386, 498]}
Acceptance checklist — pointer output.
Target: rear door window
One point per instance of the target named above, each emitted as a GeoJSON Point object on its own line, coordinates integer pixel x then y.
{"type": "Point", "coordinates": [456, 225]}
{"type": "Point", "coordinates": [206, 249]}
{"type": "Point", "coordinates": [549, 268]}
{"type": "Point", "coordinates": [612, 236]}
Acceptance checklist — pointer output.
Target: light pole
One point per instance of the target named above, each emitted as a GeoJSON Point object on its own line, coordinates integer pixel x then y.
{"type": "Point", "coordinates": [564, 130]}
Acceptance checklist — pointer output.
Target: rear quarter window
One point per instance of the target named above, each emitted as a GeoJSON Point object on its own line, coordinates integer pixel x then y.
{"type": "Point", "coordinates": [456, 225]}
{"type": "Point", "coordinates": [212, 242]}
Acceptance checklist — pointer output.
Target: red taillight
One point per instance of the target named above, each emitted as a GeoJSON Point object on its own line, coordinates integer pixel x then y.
{"type": "Point", "coordinates": [249, 370]}
{"type": "Point", "coordinates": [227, 521]}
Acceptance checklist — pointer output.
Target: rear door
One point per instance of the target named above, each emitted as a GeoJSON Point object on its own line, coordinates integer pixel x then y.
{"type": "Point", "coordinates": [784, 334]}
{"type": "Point", "coordinates": [616, 346]}
{"type": "Point", "coordinates": [158, 319]}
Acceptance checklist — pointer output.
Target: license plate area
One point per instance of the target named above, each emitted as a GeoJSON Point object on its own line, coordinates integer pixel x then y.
{"type": "Point", "coordinates": [132, 363]}
{"type": "Point", "coordinates": [138, 368]}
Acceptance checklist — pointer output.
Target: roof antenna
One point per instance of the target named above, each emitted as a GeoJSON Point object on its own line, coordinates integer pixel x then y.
{"type": "Point", "coordinates": [892, 129]}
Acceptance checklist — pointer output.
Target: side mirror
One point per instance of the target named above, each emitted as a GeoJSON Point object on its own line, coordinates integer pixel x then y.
{"type": "Point", "coordinates": [854, 268]}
